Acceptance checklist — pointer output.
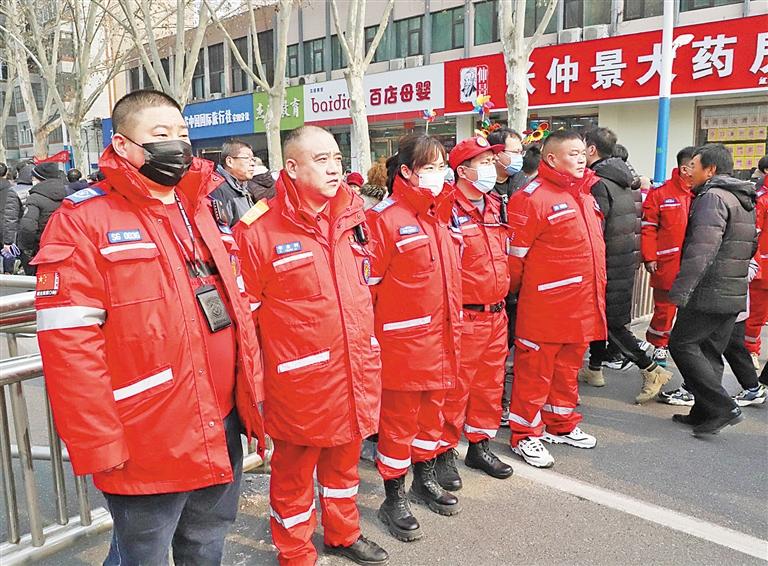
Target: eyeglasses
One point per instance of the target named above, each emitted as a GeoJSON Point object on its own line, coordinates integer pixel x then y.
{"type": "Point", "coordinates": [244, 157]}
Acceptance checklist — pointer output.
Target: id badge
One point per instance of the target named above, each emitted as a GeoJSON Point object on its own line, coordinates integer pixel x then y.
{"type": "Point", "coordinates": [213, 308]}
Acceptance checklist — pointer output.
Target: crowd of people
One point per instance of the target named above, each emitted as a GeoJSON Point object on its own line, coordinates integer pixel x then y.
{"type": "Point", "coordinates": [177, 309]}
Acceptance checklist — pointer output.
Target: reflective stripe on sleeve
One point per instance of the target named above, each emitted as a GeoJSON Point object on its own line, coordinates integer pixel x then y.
{"type": "Point", "coordinates": [289, 522]}
{"type": "Point", "coordinates": [338, 493]}
{"type": "Point", "coordinates": [532, 345]}
{"type": "Point", "coordinates": [646, 223]}
{"type": "Point", "coordinates": [667, 251]}
{"type": "Point", "coordinates": [60, 318]}
{"type": "Point", "coordinates": [518, 251]}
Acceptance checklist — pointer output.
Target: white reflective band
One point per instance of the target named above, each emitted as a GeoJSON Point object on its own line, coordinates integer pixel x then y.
{"type": "Point", "coordinates": [657, 332]}
{"type": "Point", "coordinates": [557, 410]}
{"type": "Point", "coordinates": [561, 283]}
{"type": "Point", "coordinates": [393, 462]}
{"type": "Point", "coordinates": [374, 342]}
{"type": "Point", "coordinates": [424, 320]}
{"type": "Point", "coordinates": [520, 420]}
{"type": "Point", "coordinates": [240, 284]}
{"type": "Point", "coordinates": [227, 238]}
{"type": "Point", "coordinates": [291, 258]}
{"type": "Point", "coordinates": [374, 280]}
{"type": "Point", "coordinates": [518, 251]}
{"type": "Point", "coordinates": [401, 243]}
{"type": "Point", "coordinates": [143, 385]}
{"type": "Point", "coordinates": [289, 522]}
{"type": "Point", "coordinates": [758, 230]}
{"type": "Point", "coordinates": [490, 433]}
{"type": "Point", "coordinates": [337, 493]}
{"type": "Point", "coordinates": [59, 318]}
{"type": "Point", "coordinates": [255, 306]}
{"type": "Point", "coordinates": [304, 362]}
{"type": "Point", "coordinates": [561, 213]}
{"type": "Point", "coordinates": [670, 205]}
{"type": "Point", "coordinates": [124, 247]}
{"type": "Point", "coordinates": [646, 223]}
{"type": "Point", "coordinates": [528, 343]}
{"type": "Point", "coordinates": [763, 256]}
{"type": "Point", "coordinates": [444, 443]}
{"type": "Point", "coordinates": [465, 226]}
{"type": "Point", "coordinates": [667, 251]}
{"type": "Point", "coordinates": [425, 444]}
{"type": "Point", "coordinates": [752, 339]}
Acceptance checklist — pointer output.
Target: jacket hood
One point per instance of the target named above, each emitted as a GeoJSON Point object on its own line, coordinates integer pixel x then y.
{"type": "Point", "coordinates": [25, 175]}
{"type": "Point", "coordinates": [743, 190]}
{"type": "Point", "coordinates": [53, 189]}
{"type": "Point", "coordinates": [614, 169]}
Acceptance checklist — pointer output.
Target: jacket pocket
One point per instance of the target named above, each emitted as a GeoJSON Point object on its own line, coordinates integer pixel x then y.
{"type": "Point", "coordinates": [296, 277]}
{"type": "Point", "coordinates": [415, 255]}
{"type": "Point", "coordinates": [132, 397]}
{"type": "Point", "coordinates": [133, 274]}
{"type": "Point", "coordinates": [409, 328]}
{"type": "Point", "coordinates": [560, 285]}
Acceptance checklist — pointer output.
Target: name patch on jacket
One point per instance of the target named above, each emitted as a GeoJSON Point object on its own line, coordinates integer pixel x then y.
{"type": "Point", "coordinates": [462, 219]}
{"type": "Point", "coordinates": [531, 187]}
{"type": "Point", "coordinates": [118, 236]}
{"type": "Point", "coordinates": [85, 194]}
{"type": "Point", "coordinates": [47, 284]}
{"type": "Point", "coordinates": [288, 248]}
{"type": "Point", "coordinates": [559, 207]}
{"type": "Point", "coordinates": [407, 230]}
{"type": "Point", "coordinates": [383, 205]}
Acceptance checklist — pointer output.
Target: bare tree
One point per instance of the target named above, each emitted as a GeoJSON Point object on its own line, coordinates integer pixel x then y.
{"type": "Point", "coordinates": [517, 52]}
{"type": "Point", "coordinates": [276, 90]}
{"type": "Point", "coordinates": [7, 99]}
{"type": "Point", "coordinates": [352, 41]}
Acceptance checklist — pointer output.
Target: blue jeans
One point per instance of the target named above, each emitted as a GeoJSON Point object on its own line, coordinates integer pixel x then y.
{"type": "Point", "coordinates": [193, 523]}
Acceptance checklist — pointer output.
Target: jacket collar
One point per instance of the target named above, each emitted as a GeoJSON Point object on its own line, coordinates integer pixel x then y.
{"type": "Point", "coordinates": [568, 182]}
{"type": "Point", "coordinates": [231, 181]}
{"type": "Point", "coordinates": [678, 183]}
{"type": "Point", "coordinates": [489, 212]}
{"type": "Point", "coordinates": [423, 201]}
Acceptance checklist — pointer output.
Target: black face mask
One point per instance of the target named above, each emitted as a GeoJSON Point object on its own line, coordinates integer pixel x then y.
{"type": "Point", "coordinates": [165, 162]}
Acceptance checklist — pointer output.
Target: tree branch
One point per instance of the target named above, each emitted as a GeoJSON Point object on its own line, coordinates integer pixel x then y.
{"type": "Point", "coordinates": [379, 34]}
{"type": "Point", "coordinates": [541, 28]}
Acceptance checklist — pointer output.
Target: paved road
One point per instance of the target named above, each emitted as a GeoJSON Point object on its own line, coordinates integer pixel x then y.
{"type": "Point", "coordinates": [649, 493]}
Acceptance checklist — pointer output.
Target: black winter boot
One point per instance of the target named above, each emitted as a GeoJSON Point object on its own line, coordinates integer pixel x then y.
{"type": "Point", "coordinates": [395, 512]}
{"type": "Point", "coordinates": [447, 474]}
{"type": "Point", "coordinates": [425, 489]}
{"type": "Point", "coordinates": [362, 551]}
{"type": "Point", "coordinates": [480, 457]}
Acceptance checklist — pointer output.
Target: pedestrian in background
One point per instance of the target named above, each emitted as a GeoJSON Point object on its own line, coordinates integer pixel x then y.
{"type": "Point", "coordinates": [75, 181]}
{"type": "Point", "coordinates": [236, 166]}
{"type": "Point", "coordinates": [375, 188]}
{"type": "Point", "coordinates": [262, 184]}
{"type": "Point", "coordinates": [509, 162]}
{"type": "Point", "coordinates": [758, 288]}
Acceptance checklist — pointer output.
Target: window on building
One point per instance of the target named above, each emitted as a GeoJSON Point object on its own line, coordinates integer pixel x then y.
{"type": "Point", "coordinates": [338, 57]}
{"type": "Point", "coordinates": [56, 136]}
{"type": "Point", "coordinates": [688, 5]}
{"type": "Point", "coordinates": [11, 137]}
{"type": "Point", "coordinates": [3, 71]}
{"type": "Point", "coordinates": [267, 52]}
{"type": "Point", "coordinates": [133, 79]}
{"type": "Point", "coordinates": [448, 29]}
{"type": "Point", "coordinates": [486, 22]}
{"type": "Point", "coordinates": [580, 13]}
{"type": "Point", "coordinates": [408, 34]}
{"type": "Point", "coordinates": [37, 92]}
{"type": "Point", "coordinates": [18, 100]}
{"type": "Point", "coordinates": [147, 82]}
{"type": "Point", "coordinates": [313, 55]}
{"type": "Point", "coordinates": [239, 77]}
{"type": "Point", "coordinates": [292, 60]}
{"type": "Point", "coordinates": [636, 9]}
{"type": "Point", "coordinates": [216, 67]}
{"type": "Point", "coordinates": [166, 65]}
{"type": "Point", "coordinates": [534, 13]}
{"type": "Point", "coordinates": [198, 76]}
{"type": "Point", "coordinates": [383, 52]}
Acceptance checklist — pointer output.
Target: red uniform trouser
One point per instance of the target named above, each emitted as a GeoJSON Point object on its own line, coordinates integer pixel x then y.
{"type": "Point", "coordinates": [758, 314]}
{"type": "Point", "coordinates": [663, 319]}
{"type": "Point", "coordinates": [545, 390]}
{"type": "Point", "coordinates": [292, 498]}
{"type": "Point", "coordinates": [410, 429]}
{"type": "Point", "coordinates": [474, 404]}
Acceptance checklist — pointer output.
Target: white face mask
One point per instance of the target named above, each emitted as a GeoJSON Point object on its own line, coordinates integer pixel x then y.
{"type": "Point", "coordinates": [486, 178]}
{"type": "Point", "coordinates": [432, 180]}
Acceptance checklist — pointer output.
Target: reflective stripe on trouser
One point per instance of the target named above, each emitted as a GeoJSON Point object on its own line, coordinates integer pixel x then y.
{"type": "Point", "coordinates": [758, 314]}
{"type": "Point", "coordinates": [545, 390]}
{"type": "Point", "coordinates": [292, 498]}
{"type": "Point", "coordinates": [474, 404]}
{"type": "Point", "coordinates": [663, 319]}
{"type": "Point", "coordinates": [410, 429]}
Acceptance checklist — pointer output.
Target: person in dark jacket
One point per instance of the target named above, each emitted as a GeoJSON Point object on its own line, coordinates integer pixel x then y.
{"type": "Point", "coordinates": [509, 162]}
{"type": "Point", "coordinates": [13, 209]}
{"type": "Point", "coordinates": [711, 287]}
{"type": "Point", "coordinates": [262, 185]}
{"type": "Point", "coordinates": [236, 166]}
{"type": "Point", "coordinates": [621, 228]}
{"type": "Point", "coordinates": [5, 189]}
{"type": "Point", "coordinates": [48, 190]}
{"type": "Point", "coordinates": [75, 181]}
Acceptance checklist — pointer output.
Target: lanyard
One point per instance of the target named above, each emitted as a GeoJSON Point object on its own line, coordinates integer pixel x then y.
{"type": "Point", "coordinates": [193, 261]}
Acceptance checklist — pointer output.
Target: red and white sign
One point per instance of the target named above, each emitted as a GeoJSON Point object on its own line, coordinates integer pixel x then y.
{"type": "Point", "coordinates": [391, 95]}
{"type": "Point", "coordinates": [727, 56]}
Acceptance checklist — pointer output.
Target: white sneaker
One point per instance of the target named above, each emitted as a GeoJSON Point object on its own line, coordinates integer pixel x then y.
{"type": "Point", "coordinates": [533, 452]}
{"type": "Point", "coordinates": [576, 437]}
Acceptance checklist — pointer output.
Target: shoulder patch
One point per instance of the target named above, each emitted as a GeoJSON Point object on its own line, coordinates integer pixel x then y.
{"type": "Point", "coordinates": [85, 194]}
{"type": "Point", "coordinates": [384, 204]}
{"type": "Point", "coordinates": [531, 187]}
{"type": "Point", "coordinates": [255, 212]}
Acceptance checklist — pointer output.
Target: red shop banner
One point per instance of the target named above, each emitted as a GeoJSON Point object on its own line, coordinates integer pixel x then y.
{"type": "Point", "coordinates": [723, 57]}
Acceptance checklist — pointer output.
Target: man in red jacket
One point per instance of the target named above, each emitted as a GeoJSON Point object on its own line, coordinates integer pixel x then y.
{"type": "Point", "coordinates": [665, 218]}
{"type": "Point", "coordinates": [557, 263]}
{"type": "Point", "coordinates": [148, 347]}
{"type": "Point", "coordinates": [758, 289]}
{"type": "Point", "coordinates": [306, 265]}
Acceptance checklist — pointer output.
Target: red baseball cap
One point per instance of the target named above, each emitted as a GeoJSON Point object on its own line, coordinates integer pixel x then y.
{"type": "Point", "coordinates": [469, 148]}
{"type": "Point", "coordinates": [355, 179]}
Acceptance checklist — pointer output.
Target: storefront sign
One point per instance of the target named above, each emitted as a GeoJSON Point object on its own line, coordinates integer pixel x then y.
{"type": "Point", "coordinates": [400, 93]}
{"type": "Point", "coordinates": [219, 118]}
{"type": "Point", "coordinates": [292, 113]}
{"type": "Point", "coordinates": [727, 56]}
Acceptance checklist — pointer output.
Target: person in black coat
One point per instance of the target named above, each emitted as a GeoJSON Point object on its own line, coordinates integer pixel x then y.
{"type": "Point", "coordinates": [621, 228]}
{"type": "Point", "coordinates": [48, 190]}
{"type": "Point", "coordinates": [236, 166]}
{"type": "Point", "coordinates": [712, 285]}
{"type": "Point", "coordinates": [14, 206]}
{"type": "Point", "coordinates": [5, 189]}
{"type": "Point", "coordinates": [75, 181]}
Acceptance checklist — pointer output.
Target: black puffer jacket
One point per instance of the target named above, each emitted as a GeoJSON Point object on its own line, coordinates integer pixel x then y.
{"type": "Point", "coordinates": [621, 229]}
{"type": "Point", "coordinates": [233, 196]}
{"type": "Point", "coordinates": [43, 200]}
{"type": "Point", "coordinates": [719, 242]}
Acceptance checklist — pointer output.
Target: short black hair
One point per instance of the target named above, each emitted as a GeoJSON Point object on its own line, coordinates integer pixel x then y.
{"type": "Point", "coordinates": [603, 139]}
{"type": "Point", "coordinates": [685, 155]}
{"type": "Point", "coordinates": [126, 108]}
{"type": "Point", "coordinates": [499, 137]}
{"type": "Point", "coordinates": [621, 152]}
{"type": "Point", "coordinates": [763, 164]}
{"type": "Point", "coordinates": [3, 170]}
{"type": "Point", "coordinates": [231, 148]}
{"type": "Point", "coordinates": [531, 159]}
{"type": "Point", "coordinates": [74, 175]}
{"type": "Point", "coordinates": [715, 154]}
{"type": "Point", "coordinates": [559, 136]}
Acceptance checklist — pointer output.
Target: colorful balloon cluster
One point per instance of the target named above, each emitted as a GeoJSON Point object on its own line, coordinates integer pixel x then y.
{"type": "Point", "coordinates": [482, 105]}
{"type": "Point", "coordinates": [540, 133]}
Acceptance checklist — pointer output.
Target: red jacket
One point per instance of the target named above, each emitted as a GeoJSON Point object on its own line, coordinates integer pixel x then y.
{"type": "Point", "coordinates": [557, 259]}
{"type": "Point", "coordinates": [665, 218]}
{"type": "Point", "coordinates": [312, 307]}
{"type": "Point", "coordinates": [120, 334]}
{"type": "Point", "coordinates": [416, 284]}
{"type": "Point", "coordinates": [761, 223]}
{"type": "Point", "coordinates": [484, 262]}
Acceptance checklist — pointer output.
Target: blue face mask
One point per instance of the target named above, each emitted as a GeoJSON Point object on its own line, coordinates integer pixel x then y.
{"type": "Point", "coordinates": [515, 165]}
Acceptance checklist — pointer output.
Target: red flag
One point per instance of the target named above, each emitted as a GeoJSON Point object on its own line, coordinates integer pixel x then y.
{"type": "Point", "coordinates": [61, 157]}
